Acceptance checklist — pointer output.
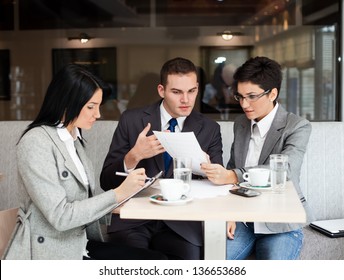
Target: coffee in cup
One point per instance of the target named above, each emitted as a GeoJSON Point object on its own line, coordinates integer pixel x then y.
{"type": "Point", "coordinates": [257, 177]}
{"type": "Point", "coordinates": [173, 189]}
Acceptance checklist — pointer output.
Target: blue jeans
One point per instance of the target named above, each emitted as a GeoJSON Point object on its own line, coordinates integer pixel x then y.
{"type": "Point", "coordinates": [279, 246]}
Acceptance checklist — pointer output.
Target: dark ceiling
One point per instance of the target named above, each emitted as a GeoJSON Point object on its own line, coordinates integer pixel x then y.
{"type": "Point", "coordinates": [64, 14]}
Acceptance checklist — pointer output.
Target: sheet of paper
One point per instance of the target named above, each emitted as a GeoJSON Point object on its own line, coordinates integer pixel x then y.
{"type": "Point", "coordinates": [205, 189]}
{"type": "Point", "coordinates": [183, 144]}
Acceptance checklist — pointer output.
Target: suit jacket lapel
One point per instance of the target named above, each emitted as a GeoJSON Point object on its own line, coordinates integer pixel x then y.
{"type": "Point", "coordinates": [63, 150]}
{"type": "Point", "coordinates": [193, 123]}
{"type": "Point", "coordinates": [152, 116]}
{"type": "Point", "coordinates": [274, 134]}
{"type": "Point", "coordinates": [85, 162]}
{"type": "Point", "coordinates": [243, 135]}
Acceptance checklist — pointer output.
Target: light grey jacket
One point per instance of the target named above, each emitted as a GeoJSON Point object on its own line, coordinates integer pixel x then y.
{"type": "Point", "coordinates": [288, 134]}
{"type": "Point", "coordinates": [56, 207]}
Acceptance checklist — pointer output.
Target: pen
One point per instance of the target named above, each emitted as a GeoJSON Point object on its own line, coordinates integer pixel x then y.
{"type": "Point", "coordinates": [122, 174]}
{"type": "Point", "coordinates": [126, 174]}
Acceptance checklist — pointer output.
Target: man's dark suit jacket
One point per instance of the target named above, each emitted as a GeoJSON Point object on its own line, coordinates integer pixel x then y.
{"type": "Point", "coordinates": [131, 123]}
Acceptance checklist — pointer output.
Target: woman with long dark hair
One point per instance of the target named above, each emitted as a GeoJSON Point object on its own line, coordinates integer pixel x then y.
{"type": "Point", "coordinates": [59, 213]}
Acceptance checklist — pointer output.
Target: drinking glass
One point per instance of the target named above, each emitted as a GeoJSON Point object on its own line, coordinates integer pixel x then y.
{"type": "Point", "coordinates": [182, 169]}
{"type": "Point", "coordinates": [278, 174]}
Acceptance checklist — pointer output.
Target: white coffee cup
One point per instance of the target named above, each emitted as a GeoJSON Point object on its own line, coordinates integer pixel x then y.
{"type": "Point", "coordinates": [173, 189]}
{"type": "Point", "coordinates": [257, 177]}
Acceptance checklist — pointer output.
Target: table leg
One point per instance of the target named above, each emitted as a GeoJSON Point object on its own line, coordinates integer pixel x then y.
{"type": "Point", "coordinates": [214, 240]}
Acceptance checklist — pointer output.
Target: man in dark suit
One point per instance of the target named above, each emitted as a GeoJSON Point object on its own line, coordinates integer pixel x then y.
{"type": "Point", "coordinates": [134, 145]}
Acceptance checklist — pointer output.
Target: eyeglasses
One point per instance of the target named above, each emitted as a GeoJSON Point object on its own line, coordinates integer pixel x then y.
{"type": "Point", "coordinates": [250, 97]}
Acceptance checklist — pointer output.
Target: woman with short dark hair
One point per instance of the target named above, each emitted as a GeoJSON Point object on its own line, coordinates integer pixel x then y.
{"type": "Point", "coordinates": [266, 128]}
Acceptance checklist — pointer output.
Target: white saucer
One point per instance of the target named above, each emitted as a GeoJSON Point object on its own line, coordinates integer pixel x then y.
{"type": "Point", "coordinates": [154, 199]}
{"type": "Point", "coordinates": [247, 185]}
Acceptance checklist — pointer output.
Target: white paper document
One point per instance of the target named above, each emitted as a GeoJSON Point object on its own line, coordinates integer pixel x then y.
{"type": "Point", "coordinates": [205, 189]}
{"type": "Point", "coordinates": [183, 144]}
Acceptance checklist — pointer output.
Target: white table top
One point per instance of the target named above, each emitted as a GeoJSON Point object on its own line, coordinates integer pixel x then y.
{"type": "Point", "coordinates": [267, 207]}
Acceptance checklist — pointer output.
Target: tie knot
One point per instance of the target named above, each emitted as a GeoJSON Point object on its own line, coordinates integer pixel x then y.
{"type": "Point", "coordinates": [173, 122]}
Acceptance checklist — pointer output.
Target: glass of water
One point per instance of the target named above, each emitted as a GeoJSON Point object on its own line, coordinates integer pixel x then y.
{"type": "Point", "coordinates": [278, 174]}
{"type": "Point", "coordinates": [182, 169]}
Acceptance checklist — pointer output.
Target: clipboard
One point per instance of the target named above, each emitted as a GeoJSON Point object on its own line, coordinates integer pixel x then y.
{"type": "Point", "coordinates": [145, 186]}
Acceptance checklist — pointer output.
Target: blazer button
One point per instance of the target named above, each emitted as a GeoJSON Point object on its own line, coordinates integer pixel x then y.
{"type": "Point", "coordinates": [40, 239]}
{"type": "Point", "coordinates": [65, 174]}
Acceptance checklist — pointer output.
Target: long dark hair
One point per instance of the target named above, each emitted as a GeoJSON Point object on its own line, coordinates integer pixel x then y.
{"type": "Point", "coordinates": [70, 89]}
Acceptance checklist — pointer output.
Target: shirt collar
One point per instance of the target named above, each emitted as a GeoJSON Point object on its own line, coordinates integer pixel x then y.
{"type": "Point", "coordinates": [165, 118]}
{"type": "Point", "coordinates": [65, 135]}
{"type": "Point", "coordinates": [265, 123]}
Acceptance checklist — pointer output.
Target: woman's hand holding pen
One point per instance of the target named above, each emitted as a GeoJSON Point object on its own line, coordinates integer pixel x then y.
{"type": "Point", "coordinates": [132, 183]}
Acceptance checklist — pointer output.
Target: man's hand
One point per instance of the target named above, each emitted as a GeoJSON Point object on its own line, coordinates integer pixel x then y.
{"type": "Point", "coordinates": [145, 147]}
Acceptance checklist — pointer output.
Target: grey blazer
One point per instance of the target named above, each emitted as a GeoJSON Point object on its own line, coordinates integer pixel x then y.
{"type": "Point", "coordinates": [56, 209]}
{"type": "Point", "coordinates": [289, 134]}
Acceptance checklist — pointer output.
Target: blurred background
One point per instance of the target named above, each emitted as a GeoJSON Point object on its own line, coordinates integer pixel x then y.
{"type": "Point", "coordinates": [126, 42]}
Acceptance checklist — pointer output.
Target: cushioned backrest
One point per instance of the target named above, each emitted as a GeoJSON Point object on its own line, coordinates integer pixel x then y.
{"type": "Point", "coordinates": [227, 139]}
{"type": "Point", "coordinates": [322, 176]}
{"type": "Point", "coordinates": [10, 132]}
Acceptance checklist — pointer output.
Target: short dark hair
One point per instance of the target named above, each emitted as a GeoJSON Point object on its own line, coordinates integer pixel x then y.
{"type": "Point", "coordinates": [260, 70]}
{"type": "Point", "coordinates": [176, 65]}
{"type": "Point", "coordinates": [70, 89]}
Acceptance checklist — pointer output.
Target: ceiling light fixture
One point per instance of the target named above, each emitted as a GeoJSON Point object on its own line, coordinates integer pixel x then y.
{"type": "Point", "coordinates": [228, 35]}
{"type": "Point", "coordinates": [83, 38]}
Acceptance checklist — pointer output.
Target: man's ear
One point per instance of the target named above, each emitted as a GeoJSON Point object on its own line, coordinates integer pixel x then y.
{"type": "Point", "coordinates": [161, 90]}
